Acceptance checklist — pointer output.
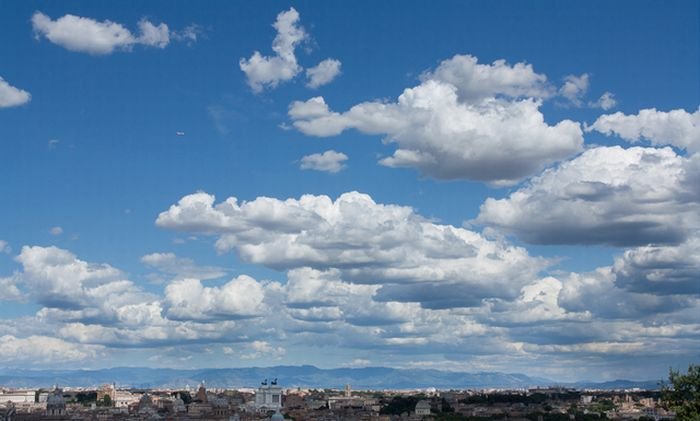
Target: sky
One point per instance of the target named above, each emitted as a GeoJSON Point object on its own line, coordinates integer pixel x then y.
{"type": "Point", "coordinates": [461, 185]}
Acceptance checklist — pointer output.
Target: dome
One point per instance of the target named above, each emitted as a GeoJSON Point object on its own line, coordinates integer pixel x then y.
{"type": "Point", "coordinates": [55, 399]}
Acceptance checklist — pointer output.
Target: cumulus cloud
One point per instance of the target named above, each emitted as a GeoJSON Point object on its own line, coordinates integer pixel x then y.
{"type": "Point", "coordinates": [575, 88]}
{"type": "Point", "coordinates": [262, 349]}
{"type": "Point", "coordinates": [661, 270]}
{"type": "Point", "coordinates": [11, 96]}
{"type": "Point", "coordinates": [267, 72]}
{"type": "Point", "coordinates": [368, 242]}
{"type": "Point", "coordinates": [328, 161]}
{"type": "Point", "coordinates": [73, 289]}
{"type": "Point", "coordinates": [607, 195]}
{"type": "Point", "coordinates": [676, 127]}
{"type": "Point", "coordinates": [87, 35]}
{"type": "Point", "coordinates": [46, 350]}
{"type": "Point", "coordinates": [188, 299]}
{"type": "Point", "coordinates": [606, 101]}
{"type": "Point", "coordinates": [323, 73]}
{"type": "Point", "coordinates": [476, 81]}
{"type": "Point", "coordinates": [181, 267]}
{"type": "Point", "coordinates": [9, 290]}
{"type": "Point", "coordinates": [5, 247]}
{"type": "Point", "coordinates": [596, 293]}
{"type": "Point", "coordinates": [56, 230]}
{"type": "Point", "coordinates": [543, 318]}
{"type": "Point", "coordinates": [464, 121]}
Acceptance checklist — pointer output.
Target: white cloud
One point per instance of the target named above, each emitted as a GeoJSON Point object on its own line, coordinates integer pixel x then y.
{"type": "Point", "coordinates": [596, 293]}
{"type": "Point", "coordinates": [676, 127]}
{"type": "Point", "coordinates": [575, 88]}
{"type": "Point", "coordinates": [606, 101]}
{"type": "Point", "coordinates": [5, 247]}
{"type": "Point", "coordinates": [607, 195]}
{"type": "Point", "coordinates": [328, 161]}
{"type": "Point", "coordinates": [44, 350]}
{"type": "Point", "coordinates": [368, 242]}
{"type": "Point", "coordinates": [152, 35]}
{"type": "Point", "coordinates": [262, 349]}
{"type": "Point", "coordinates": [452, 127]}
{"type": "Point", "coordinates": [56, 230]}
{"type": "Point", "coordinates": [87, 35]}
{"type": "Point", "coordinates": [476, 81]}
{"type": "Point", "coordinates": [74, 289]}
{"type": "Point", "coordinates": [189, 35]}
{"type": "Point", "coordinates": [181, 267]}
{"type": "Point", "coordinates": [9, 290]}
{"type": "Point", "coordinates": [11, 96]}
{"type": "Point", "coordinates": [188, 299]}
{"type": "Point", "coordinates": [323, 73]}
{"type": "Point", "coordinates": [267, 72]}
{"type": "Point", "coordinates": [661, 270]}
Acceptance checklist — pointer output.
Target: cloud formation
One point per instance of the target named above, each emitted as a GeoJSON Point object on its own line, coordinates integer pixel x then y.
{"type": "Point", "coordinates": [607, 195]}
{"type": "Point", "coordinates": [87, 35]}
{"type": "Point", "coordinates": [366, 241]}
{"type": "Point", "coordinates": [47, 350]}
{"type": "Point", "coordinates": [323, 73]}
{"type": "Point", "coordinates": [263, 71]}
{"type": "Point", "coordinates": [464, 121]}
{"type": "Point", "coordinates": [11, 96]}
{"type": "Point", "coordinates": [188, 299]}
{"type": "Point", "coordinates": [676, 127]}
{"type": "Point", "coordinates": [606, 101]}
{"type": "Point", "coordinates": [575, 88]}
{"type": "Point", "coordinates": [328, 161]}
{"type": "Point", "coordinates": [269, 71]}
{"type": "Point", "coordinates": [181, 267]}
{"type": "Point", "coordinates": [662, 270]}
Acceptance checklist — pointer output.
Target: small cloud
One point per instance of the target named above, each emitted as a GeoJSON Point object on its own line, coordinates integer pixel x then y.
{"type": "Point", "coordinates": [189, 35]}
{"type": "Point", "coordinates": [328, 161]}
{"type": "Point", "coordinates": [262, 349]}
{"type": "Point", "coordinates": [606, 101]}
{"type": "Point", "coordinates": [56, 230]}
{"type": "Point", "coordinates": [358, 363]}
{"type": "Point", "coordinates": [11, 96]}
{"type": "Point", "coordinates": [5, 247]}
{"type": "Point", "coordinates": [87, 35]}
{"type": "Point", "coordinates": [53, 143]}
{"type": "Point", "coordinates": [323, 73]}
{"type": "Point", "coordinates": [268, 71]}
{"type": "Point", "coordinates": [575, 88]}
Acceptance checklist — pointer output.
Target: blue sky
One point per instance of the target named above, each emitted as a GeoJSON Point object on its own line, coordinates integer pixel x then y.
{"type": "Point", "coordinates": [560, 138]}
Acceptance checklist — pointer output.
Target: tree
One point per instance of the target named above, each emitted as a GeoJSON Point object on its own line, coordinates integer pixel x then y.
{"type": "Point", "coordinates": [106, 401]}
{"type": "Point", "coordinates": [682, 394]}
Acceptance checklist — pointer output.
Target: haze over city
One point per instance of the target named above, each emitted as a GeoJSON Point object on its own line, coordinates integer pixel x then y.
{"type": "Point", "coordinates": [466, 186]}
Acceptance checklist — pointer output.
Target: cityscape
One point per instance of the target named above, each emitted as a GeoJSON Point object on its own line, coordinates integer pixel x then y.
{"type": "Point", "coordinates": [449, 210]}
{"type": "Point", "coordinates": [270, 401]}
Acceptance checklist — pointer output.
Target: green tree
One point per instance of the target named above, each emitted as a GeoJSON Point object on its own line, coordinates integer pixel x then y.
{"type": "Point", "coordinates": [682, 394]}
{"type": "Point", "coordinates": [106, 401]}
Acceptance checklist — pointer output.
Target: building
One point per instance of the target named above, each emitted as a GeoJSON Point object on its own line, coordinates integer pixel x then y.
{"type": "Point", "coordinates": [55, 404]}
{"type": "Point", "coordinates": [18, 396]}
{"type": "Point", "coordinates": [268, 397]}
{"type": "Point", "coordinates": [423, 408]}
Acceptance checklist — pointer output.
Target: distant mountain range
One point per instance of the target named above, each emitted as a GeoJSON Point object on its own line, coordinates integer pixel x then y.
{"type": "Point", "coordinates": [306, 376]}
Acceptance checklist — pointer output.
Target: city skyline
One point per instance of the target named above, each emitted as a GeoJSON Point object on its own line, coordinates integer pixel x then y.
{"type": "Point", "coordinates": [464, 186]}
